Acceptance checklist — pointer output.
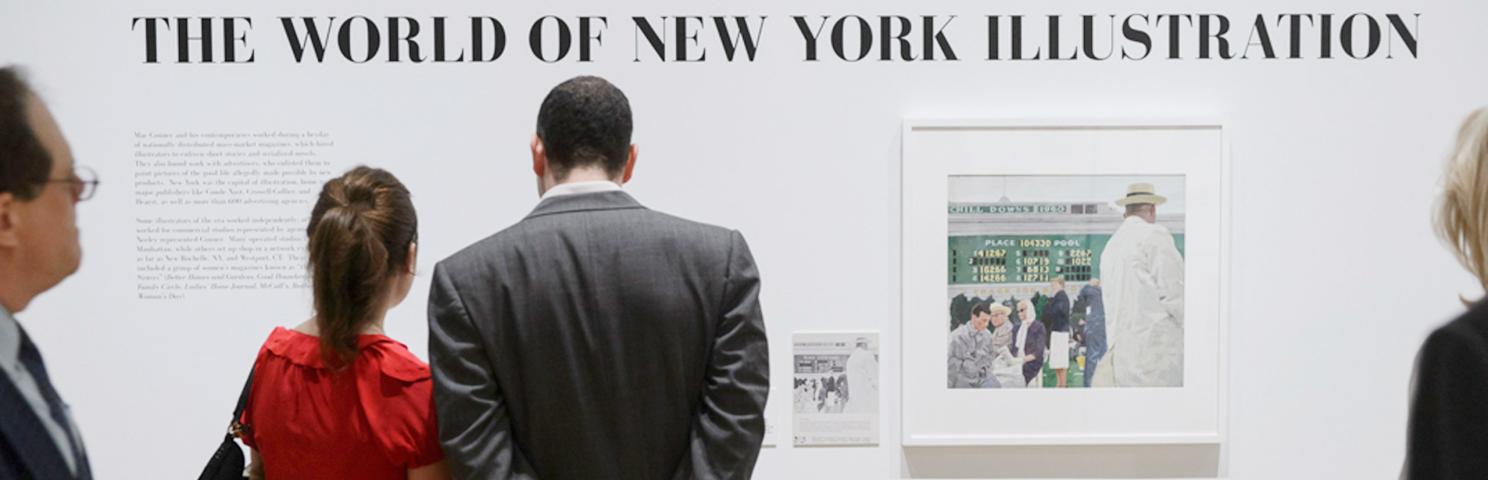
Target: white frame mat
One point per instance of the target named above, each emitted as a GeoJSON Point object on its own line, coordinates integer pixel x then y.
{"type": "Point", "coordinates": [934, 150]}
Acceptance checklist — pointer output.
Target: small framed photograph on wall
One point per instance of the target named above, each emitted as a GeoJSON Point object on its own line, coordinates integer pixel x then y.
{"type": "Point", "coordinates": [835, 388]}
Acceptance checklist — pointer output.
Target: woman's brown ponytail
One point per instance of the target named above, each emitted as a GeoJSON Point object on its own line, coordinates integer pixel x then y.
{"type": "Point", "coordinates": [360, 231]}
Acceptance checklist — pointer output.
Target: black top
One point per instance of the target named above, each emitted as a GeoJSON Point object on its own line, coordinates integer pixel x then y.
{"type": "Point", "coordinates": [1058, 312]}
{"type": "Point", "coordinates": [1448, 432]}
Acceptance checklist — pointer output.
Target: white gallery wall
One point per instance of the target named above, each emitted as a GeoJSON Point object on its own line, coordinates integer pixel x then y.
{"type": "Point", "coordinates": [1336, 276]}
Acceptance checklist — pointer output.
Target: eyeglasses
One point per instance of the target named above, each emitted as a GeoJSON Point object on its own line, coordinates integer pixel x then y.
{"type": "Point", "coordinates": [84, 183]}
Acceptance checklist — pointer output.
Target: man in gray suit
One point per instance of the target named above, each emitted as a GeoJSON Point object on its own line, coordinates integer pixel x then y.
{"type": "Point", "coordinates": [597, 338]}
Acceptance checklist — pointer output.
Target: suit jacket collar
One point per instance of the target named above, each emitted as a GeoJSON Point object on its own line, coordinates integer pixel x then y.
{"type": "Point", "coordinates": [20, 428]}
{"type": "Point", "coordinates": [583, 202]}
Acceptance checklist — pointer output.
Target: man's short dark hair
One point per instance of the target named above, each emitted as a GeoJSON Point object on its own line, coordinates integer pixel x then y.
{"type": "Point", "coordinates": [24, 164]}
{"type": "Point", "coordinates": [585, 121]}
{"type": "Point", "coordinates": [981, 308]}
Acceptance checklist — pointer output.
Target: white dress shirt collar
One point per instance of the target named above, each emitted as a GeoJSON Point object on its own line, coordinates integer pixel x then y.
{"type": "Point", "coordinates": [10, 341]}
{"type": "Point", "coordinates": [576, 188]}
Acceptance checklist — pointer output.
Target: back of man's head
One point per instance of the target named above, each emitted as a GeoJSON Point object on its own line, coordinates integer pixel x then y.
{"type": "Point", "coordinates": [585, 122]}
{"type": "Point", "coordinates": [24, 162]}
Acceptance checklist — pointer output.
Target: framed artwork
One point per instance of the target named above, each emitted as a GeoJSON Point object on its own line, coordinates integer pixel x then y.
{"type": "Point", "coordinates": [1064, 282]}
{"type": "Point", "coordinates": [835, 393]}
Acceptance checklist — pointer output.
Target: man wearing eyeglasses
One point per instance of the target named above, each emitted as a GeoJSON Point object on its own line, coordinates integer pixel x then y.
{"type": "Point", "coordinates": [39, 190]}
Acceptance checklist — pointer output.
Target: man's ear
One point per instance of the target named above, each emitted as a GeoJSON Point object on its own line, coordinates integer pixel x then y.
{"type": "Point", "coordinates": [630, 164]}
{"type": "Point", "coordinates": [539, 157]}
{"type": "Point", "coordinates": [10, 220]}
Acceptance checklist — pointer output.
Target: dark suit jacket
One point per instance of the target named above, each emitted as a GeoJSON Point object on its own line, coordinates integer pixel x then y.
{"type": "Point", "coordinates": [599, 339]}
{"type": "Point", "coordinates": [26, 449]}
{"type": "Point", "coordinates": [1448, 432]}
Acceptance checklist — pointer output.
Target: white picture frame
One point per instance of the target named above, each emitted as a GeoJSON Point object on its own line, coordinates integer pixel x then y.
{"type": "Point", "coordinates": [933, 150]}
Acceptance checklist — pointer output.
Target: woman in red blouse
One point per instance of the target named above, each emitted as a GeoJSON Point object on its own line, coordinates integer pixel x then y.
{"type": "Point", "coordinates": [334, 398]}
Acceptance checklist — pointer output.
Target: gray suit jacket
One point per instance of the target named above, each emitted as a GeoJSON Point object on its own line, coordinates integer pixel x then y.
{"type": "Point", "coordinates": [599, 339]}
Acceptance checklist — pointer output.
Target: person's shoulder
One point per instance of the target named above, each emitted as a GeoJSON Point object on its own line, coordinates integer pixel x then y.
{"type": "Point", "coordinates": [1155, 236]}
{"type": "Point", "coordinates": [393, 360]}
{"type": "Point", "coordinates": [682, 236]}
{"type": "Point", "coordinates": [688, 227]}
{"type": "Point", "coordinates": [282, 335]}
{"type": "Point", "coordinates": [1156, 231]}
{"type": "Point", "coordinates": [1469, 331]}
{"type": "Point", "coordinates": [482, 249]}
{"type": "Point", "coordinates": [1455, 352]}
{"type": "Point", "coordinates": [474, 262]}
{"type": "Point", "coordinates": [686, 232]}
{"type": "Point", "coordinates": [1473, 322]}
{"type": "Point", "coordinates": [291, 346]}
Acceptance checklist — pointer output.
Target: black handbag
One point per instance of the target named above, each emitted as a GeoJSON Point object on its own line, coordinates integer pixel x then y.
{"type": "Point", "coordinates": [228, 462]}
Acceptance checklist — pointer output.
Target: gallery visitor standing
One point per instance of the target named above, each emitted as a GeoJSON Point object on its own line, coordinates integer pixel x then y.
{"type": "Point", "coordinates": [1448, 430]}
{"type": "Point", "coordinates": [39, 191]}
{"type": "Point", "coordinates": [597, 338]}
{"type": "Point", "coordinates": [335, 397]}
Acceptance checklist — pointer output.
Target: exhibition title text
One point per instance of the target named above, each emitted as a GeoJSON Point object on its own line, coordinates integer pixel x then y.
{"type": "Point", "coordinates": [815, 38]}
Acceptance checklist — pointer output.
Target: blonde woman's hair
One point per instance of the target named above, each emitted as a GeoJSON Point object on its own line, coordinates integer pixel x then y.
{"type": "Point", "coordinates": [1462, 211]}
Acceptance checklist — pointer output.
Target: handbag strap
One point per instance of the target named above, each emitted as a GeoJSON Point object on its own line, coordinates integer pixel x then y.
{"type": "Point", "coordinates": [235, 428]}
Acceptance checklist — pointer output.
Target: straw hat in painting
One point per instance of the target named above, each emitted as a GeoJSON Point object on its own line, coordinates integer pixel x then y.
{"type": "Point", "coordinates": [1138, 193]}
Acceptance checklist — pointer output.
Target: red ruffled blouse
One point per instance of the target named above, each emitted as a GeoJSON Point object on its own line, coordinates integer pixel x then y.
{"type": "Point", "coordinates": [373, 420]}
